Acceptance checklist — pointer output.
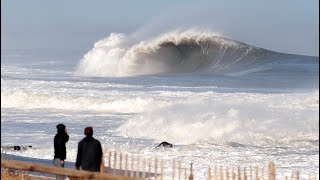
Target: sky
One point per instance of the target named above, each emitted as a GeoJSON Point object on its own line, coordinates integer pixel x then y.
{"type": "Point", "coordinates": [289, 26]}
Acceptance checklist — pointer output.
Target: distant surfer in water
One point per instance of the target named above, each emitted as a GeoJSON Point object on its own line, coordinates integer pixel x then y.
{"type": "Point", "coordinates": [165, 144]}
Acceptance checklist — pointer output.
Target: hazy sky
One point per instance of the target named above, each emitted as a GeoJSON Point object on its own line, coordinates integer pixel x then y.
{"type": "Point", "coordinates": [290, 26]}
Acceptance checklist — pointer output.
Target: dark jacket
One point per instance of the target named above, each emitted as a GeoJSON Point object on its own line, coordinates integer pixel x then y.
{"type": "Point", "coordinates": [60, 140]}
{"type": "Point", "coordinates": [89, 155]}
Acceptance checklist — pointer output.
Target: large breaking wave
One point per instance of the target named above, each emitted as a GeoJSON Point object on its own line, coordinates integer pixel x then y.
{"type": "Point", "coordinates": [189, 51]}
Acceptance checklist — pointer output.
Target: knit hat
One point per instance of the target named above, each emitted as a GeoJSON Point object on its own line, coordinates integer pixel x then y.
{"type": "Point", "coordinates": [61, 128]}
{"type": "Point", "coordinates": [88, 131]}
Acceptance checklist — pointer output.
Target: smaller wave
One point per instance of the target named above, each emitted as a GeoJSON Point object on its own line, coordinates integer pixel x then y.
{"type": "Point", "coordinates": [31, 100]}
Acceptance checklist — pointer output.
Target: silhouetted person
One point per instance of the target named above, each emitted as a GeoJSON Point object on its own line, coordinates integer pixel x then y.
{"type": "Point", "coordinates": [60, 152]}
{"type": "Point", "coordinates": [89, 155]}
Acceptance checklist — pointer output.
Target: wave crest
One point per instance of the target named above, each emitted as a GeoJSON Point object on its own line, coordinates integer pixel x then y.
{"type": "Point", "coordinates": [175, 52]}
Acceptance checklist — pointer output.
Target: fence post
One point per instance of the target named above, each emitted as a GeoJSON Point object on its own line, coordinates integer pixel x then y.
{"type": "Point", "coordinates": [221, 173]}
{"type": "Point", "coordinates": [173, 169]}
{"type": "Point", "coordinates": [149, 167]}
{"type": "Point", "coordinates": [271, 171]}
{"type": "Point", "coordinates": [239, 173]}
{"type": "Point", "coordinates": [126, 166]}
{"type": "Point", "coordinates": [114, 163]}
{"type": "Point", "coordinates": [245, 173]}
{"type": "Point", "coordinates": [209, 173]}
{"type": "Point", "coordinates": [233, 174]}
{"type": "Point", "coordinates": [144, 168]}
{"type": "Point", "coordinates": [179, 173]}
{"type": "Point", "coordinates": [109, 162]}
{"type": "Point", "coordinates": [250, 172]}
{"type": "Point", "coordinates": [138, 167]}
{"type": "Point", "coordinates": [161, 170]}
{"type": "Point", "coordinates": [227, 173]}
{"type": "Point", "coordinates": [155, 168]}
{"type": "Point", "coordinates": [191, 174]}
{"type": "Point", "coordinates": [132, 159]}
{"type": "Point", "coordinates": [215, 173]}
{"type": "Point", "coordinates": [120, 164]}
{"type": "Point", "coordinates": [185, 173]}
{"type": "Point", "coordinates": [102, 160]}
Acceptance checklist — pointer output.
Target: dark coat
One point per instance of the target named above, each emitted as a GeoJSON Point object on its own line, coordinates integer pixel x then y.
{"type": "Point", "coordinates": [60, 140]}
{"type": "Point", "coordinates": [89, 155]}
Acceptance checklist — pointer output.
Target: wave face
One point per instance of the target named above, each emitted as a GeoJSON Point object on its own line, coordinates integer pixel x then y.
{"type": "Point", "coordinates": [188, 51]}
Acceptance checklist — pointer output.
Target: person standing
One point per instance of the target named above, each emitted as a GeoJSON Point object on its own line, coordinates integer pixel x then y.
{"type": "Point", "coordinates": [60, 152]}
{"type": "Point", "coordinates": [89, 156]}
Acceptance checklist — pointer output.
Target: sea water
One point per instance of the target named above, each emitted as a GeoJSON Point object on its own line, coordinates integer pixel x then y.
{"type": "Point", "coordinates": [219, 101]}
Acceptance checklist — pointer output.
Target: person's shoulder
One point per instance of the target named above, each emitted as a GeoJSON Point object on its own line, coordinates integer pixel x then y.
{"type": "Point", "coordinates": [96, 140]}
{"type": "Point", "coordinates": [81, 141]}
{"type": "Point", "coordinates": [56, 137]}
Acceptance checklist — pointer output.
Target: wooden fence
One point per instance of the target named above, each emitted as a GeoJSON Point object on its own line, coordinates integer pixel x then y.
{"type": "Point", "coordinates": [119, 166]}
{"type": "Point", "coordinates": [251, 173]}
{"type": "Point", "coordinates": [71, 173]}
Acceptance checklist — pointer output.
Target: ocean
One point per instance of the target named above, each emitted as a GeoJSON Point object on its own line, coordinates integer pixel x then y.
{"type": "Point", "coordinates": [217, 100]}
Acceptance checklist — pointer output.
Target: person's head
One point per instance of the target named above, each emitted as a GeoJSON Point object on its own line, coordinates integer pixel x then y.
{"type": "Point", "coordinates": [88, 131]}
{"type": "Point", "coordinates": [61, 129]}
